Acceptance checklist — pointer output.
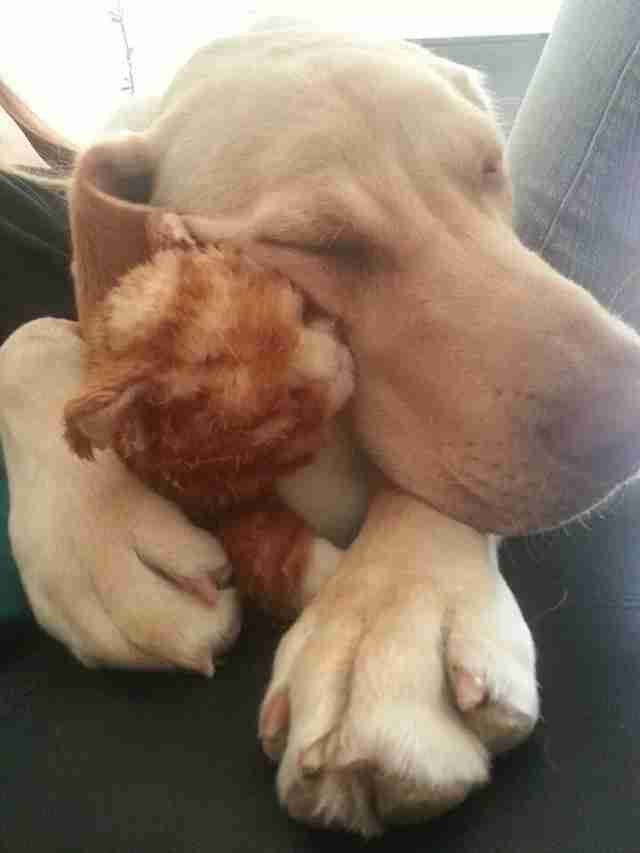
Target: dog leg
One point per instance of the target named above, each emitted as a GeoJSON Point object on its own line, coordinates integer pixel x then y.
{"type": "Point", "coordinates": [403, 676]}
{"type": "Point", "coordinates": [114, 571]}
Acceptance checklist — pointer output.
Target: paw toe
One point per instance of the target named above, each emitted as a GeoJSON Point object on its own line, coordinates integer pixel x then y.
{"type": "Point", "coordinates": [496, 691]}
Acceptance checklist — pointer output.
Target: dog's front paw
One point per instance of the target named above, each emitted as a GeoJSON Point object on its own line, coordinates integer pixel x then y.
{"type": "Point", "coordinates": [388, 700]}
{"type": "Point", "coordinates": [120, 576]}
{"type": "Point", "coordinates": [491, 665]}
{"type": "Point", "coordinates": [114, 571]}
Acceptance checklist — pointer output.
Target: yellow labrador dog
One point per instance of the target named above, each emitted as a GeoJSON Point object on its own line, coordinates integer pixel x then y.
{"type": "Point", "coordinates": [492, 397]}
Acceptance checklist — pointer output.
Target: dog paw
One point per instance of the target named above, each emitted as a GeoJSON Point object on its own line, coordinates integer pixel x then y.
{"type": "Point", "coordinates": [491, 666]}
{"type": "Point", "coordinates": [386, 707]}
{"type": "Point", "coordinates": [131, 581]}
{"type": "Point", "coordinates": [114, 571]}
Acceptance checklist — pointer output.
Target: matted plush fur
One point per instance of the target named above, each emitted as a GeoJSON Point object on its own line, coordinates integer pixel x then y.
{"type": "Point", "coordinates": [207, 378]}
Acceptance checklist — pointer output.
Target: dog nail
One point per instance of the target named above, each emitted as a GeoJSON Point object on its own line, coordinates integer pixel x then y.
{"type": "Point", "coordinates": [470, 690]}
{"type": "Point", "coordinates": [204, 666]}
{"type": "Point", "coordinates": [346, 754]}
{"type": "Point", "coordinates": [202, 587]}
{"type": "Point", "coordinates": [275, 714]}
{"type": "Point", "coordinates": [312, 760]}
{"type": "Point", "coordinates": [274, 724]}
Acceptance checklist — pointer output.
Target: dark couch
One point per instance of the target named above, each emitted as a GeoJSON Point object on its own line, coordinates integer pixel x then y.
{"type": "Point", "coordinates": [114, 762]}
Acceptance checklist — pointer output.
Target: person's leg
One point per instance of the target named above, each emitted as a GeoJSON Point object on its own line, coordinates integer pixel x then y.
{"type": "Point", "coordinates": [575, 150]}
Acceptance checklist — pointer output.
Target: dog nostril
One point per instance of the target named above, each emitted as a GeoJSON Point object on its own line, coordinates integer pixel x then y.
{"type": "Point", "coordinates": [600, 434]}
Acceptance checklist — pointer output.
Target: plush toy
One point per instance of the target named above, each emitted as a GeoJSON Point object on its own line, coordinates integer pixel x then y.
{"type": "Point", "coordinates": [211, 378]}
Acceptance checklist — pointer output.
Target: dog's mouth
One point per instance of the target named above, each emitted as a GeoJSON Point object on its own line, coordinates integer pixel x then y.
{"type": "Point", "coordinates": [541, 493]}
{"type": "Point", "coordinates": [521, 516]}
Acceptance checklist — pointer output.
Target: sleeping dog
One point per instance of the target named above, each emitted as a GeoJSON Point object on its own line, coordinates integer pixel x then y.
{"type": "Point", "coordinates": [492, 397]}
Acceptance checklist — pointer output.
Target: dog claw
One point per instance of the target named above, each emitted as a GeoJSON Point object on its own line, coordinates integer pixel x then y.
{"type": "Point", "coordinates": [206, 587]}
{"type": "Point", "coordinates": [203, 587]}
{"type": "Point", "coordinates": [312, 760]}
{"type": "Point", "coordinates": [274, 725]}
{"type": "Point", "coordinates": [470, 690]}
{"type": "Point", "coordinates": [204, 665]}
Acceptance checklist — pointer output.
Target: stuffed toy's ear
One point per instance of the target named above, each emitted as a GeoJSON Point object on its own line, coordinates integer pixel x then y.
{"type": "Point", "coordinates": [91, 420]}
{"type": "Point", "coordinates": [109, 217]}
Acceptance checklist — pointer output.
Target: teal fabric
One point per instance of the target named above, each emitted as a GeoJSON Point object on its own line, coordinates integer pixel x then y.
{"type": "Point", "coordinates": [13, 602]}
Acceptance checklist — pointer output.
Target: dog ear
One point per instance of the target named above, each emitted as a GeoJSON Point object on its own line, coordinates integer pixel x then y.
{"type": "Point", "coordinates": [469, 82]}
{"type": "Point", "coordinates": [92, 418]}
{"type": "Point", "coordinates": [109, 211]}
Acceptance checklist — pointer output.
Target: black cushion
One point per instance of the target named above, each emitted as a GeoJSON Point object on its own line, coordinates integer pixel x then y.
{"type": "Point", "coordinates": [108, 761]}
{"type": "Point", "coordinates": [34, 255]}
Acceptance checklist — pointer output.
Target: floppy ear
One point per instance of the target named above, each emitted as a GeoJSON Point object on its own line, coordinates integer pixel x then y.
{"type": "Point", "coordinates": [109, 215]}
{"type": "Point", "coordinates": [468, 81]}
{"type": "Point", "coordinates": [92, 418]}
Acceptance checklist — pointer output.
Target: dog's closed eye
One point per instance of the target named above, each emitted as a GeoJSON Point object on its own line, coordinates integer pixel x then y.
{"type": "Point", "coordinates": [344, 257]}
{"type": "Point", "coordinates": [493, 170]}
{"type": "Point", "coordinates": [334, 247]}
{"type": "Point", "coordinates": [329, 240]}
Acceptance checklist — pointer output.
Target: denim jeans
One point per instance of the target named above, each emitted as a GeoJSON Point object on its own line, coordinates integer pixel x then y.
{"type": "Point", "coordinates": [574, 152]}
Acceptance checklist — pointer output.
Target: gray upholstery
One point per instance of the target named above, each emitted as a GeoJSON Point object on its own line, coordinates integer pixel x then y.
{"type": "Point", "coordinates": [508, 62]}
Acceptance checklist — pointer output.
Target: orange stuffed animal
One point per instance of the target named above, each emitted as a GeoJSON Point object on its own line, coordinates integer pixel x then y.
{"type": "Point", "coordinates": [211, 378]}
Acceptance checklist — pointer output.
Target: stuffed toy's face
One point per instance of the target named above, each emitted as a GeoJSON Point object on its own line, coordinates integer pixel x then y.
{"type": "Point", "coordinates": [207, 378]}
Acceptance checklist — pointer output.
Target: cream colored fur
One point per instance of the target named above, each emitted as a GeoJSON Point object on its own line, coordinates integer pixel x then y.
{"type": "Point", "coordinates": [492, 395]}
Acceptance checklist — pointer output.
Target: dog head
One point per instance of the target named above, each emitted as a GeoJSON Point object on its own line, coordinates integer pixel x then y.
{"type": "Point", "coordinates": [373, 176]}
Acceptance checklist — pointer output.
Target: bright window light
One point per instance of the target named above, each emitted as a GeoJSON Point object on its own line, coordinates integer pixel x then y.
{"type": "Point", "coordinates": [67, 58]}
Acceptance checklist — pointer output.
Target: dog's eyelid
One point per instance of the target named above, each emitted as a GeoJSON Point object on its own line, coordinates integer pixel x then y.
{"type": "Point", "coordinates": [342, 243]}
{"type": "Point", "coordinates": [324, 247]}
{"type": "Point", "coordinates": [292, 244]}
{"type": "Point", "coordinates": [345, 255]}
